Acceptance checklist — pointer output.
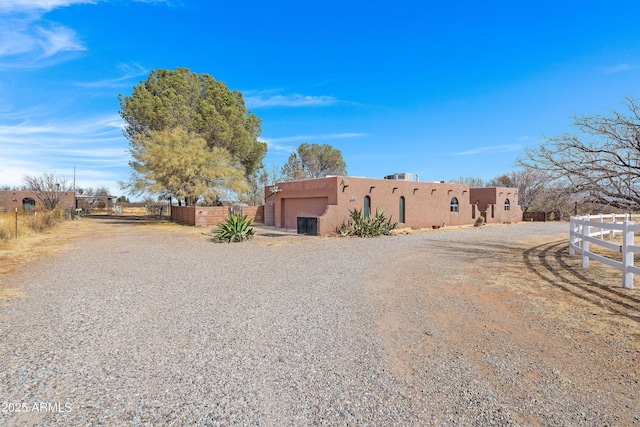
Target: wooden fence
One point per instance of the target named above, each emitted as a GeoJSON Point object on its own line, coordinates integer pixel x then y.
{"type": "Point", "coordinates": [588, 229]}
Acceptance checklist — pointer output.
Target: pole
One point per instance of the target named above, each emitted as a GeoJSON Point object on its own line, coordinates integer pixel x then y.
{"type": "Point", "coordinates": [16, 223]}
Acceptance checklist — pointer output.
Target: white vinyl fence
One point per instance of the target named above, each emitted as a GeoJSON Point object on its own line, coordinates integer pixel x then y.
{"type": "Point", "coordinates": [588, 229]}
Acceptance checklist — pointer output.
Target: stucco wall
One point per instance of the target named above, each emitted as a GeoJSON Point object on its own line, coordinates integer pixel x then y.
{"type": "Point", "coordinates": [185, 215]}
{"type": "Point", "coordinates": [427, 204]}
{"type": "Point", "coordinates": [305, 207]}
{"type": "Point", "coordinates": [211, 216]}
{"type": "Point", "coordinates": [9, 200]}
{"type": "Point", "coordinates": [294, 193]}
{"type": "Point", "coordinates": [492, 201]}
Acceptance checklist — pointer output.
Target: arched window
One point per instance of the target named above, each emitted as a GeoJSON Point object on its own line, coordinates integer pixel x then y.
{"type": "Point", "coordinates": [507, 205]}
{"type": "Point", "coordinates": [454, 205]}
{"type": "Point", "coordinates": [367, 206]}
{"type": "Point", "coordinates": [28, 204]}
{"type": "Point", "coordinates": [401, 210]}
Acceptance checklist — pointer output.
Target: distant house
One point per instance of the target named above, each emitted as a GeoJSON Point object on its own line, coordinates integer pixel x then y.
{"type": "Point", "coordinates": [28, 201]}
{"type": "Point", "coordinates": [326, 202]}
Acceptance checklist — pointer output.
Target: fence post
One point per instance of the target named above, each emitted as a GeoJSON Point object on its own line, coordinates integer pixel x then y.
{"type": "Point", "coordinates": [572, 239]}
{"type": "Point", "coordinates": [627, 255]}
{"type": "Point", "coordinates": [602, 227]}
{"type": "Point", "coordinates": [613, 220]}
{"type": "Point", "coordinates": [585, 243]}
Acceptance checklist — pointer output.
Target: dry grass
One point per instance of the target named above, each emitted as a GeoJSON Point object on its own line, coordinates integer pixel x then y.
{"type": "Point", "coordinates": [31, 246]}
{"type": "Point", "coordinates": [28, 224]}
{"type": "Point", "coordinates": [555, 286]}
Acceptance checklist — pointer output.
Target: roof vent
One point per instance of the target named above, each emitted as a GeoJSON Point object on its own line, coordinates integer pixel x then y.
{"type": "Point", "coordinates": [405, 176]}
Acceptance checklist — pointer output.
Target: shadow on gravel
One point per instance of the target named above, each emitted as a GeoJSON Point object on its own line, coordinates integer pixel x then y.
{"type": "Point", "coordinates": [473, 251]}
{"type": "Point", "coordinates": [554, 266]}
{"type": "Point", "coordinates": [125, 220]}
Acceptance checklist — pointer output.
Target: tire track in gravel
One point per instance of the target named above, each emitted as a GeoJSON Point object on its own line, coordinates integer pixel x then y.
{"type": "Point", "coordinates": [160, 328]}
{"type": "Point", "coordinates": [551, 263]}
{"type": "Point", "coordinates": [466, 304]}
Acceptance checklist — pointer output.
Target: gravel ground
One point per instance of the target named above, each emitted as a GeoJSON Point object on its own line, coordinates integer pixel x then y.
{"type": "Point", "coordinates": [138, 326]}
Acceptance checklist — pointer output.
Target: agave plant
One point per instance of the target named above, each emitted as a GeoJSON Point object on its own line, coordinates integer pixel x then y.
{"type": "Point", "coordinates": [364, 226]}
{"type": "Point", "coordinates": [236, 228]}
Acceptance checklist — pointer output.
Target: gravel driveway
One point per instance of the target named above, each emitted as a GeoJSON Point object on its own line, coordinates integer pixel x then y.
{"type": "Point", "coordinates": [142, 326]}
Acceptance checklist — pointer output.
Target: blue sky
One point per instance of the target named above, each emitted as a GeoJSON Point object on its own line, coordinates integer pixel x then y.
{"type": "Point", "coordinates": [439, 89]}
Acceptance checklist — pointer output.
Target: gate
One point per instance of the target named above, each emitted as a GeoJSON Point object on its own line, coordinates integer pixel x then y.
{"type": "Point", "coordinates": [308, 225]}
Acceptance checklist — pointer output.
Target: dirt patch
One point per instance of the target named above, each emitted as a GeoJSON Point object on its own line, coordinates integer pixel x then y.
{"type": "Point", "coordinates": [16, 253]}
{"type": "Point", "coordinates": [526, 316]}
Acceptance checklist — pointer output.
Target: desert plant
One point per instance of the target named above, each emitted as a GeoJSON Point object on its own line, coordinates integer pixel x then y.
{"type": "Point", "coordinates": [364, 226]}
{"type": "Point", "coordinates": [479, 221]}
{"type": "Point", "coordinates": [29, 223]}
{"type": "Point", "coordinates": [5, 232]}
{"type": "Point", "coordinates": [236, 228]}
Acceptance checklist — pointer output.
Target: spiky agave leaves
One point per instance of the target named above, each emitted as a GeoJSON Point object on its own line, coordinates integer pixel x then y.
{"type": "Point", "coordinates": [236, 228]}
{"type": "Point", "coordinates": [364, 226]}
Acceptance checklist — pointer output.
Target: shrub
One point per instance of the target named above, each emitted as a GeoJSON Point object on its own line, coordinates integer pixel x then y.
{"type": "Point", "coordinates": [41, 221]}
{"type": "Point", "coordinates": [364, 226]}
{"type": "Point", "coordinates": [479, 221]}
{"type": "Point", "coordinates": [29, 223]}
{"type": "Point", "coordinates": [5, 232]}
{"type": "Point", "coordinates": [236, 228]}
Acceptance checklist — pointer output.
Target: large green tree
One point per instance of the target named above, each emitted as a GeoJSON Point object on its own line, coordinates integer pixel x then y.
{"type": "Point", "coordinates": [169, 99]}
{"type": "Point", "coordinates": [180, 164]}
{"type": "Point", "coordinates": [314, 161]}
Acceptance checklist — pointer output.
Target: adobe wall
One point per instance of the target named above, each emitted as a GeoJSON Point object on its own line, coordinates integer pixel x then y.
{"type": "Point", "coordinates": [10, 199]}
{"type": "Point", "coordinates": [301, 198]}
{"type": "Point", "coordinates": [491, 201]}
{"type": "Point", "coordinates": [210, 216]}
{"type": "Point", "coordinates": [185, 215]}
{"type": "Point", "coordinates": [426, 204]}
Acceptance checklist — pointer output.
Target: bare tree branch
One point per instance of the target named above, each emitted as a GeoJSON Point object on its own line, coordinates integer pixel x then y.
{"type": "Point", "coordinates": [601, 162]}
{"type": "Point", "coordinates": [48, 188]}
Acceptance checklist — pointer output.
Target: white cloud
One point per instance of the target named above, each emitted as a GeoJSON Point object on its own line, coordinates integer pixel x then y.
{"type": "Point", "coordinates": [12, 171]}
{"type": "Point", "coordinates": [129, 71]}
{"type": "Point", "coordinates": [94, 144]}
{"type": "Point", "coordinates": [618, 68]}
{"type": "Point", "coordinates": [295, 100]}
{"type": "Point", "coordinates": [279, 144]}
{"type": "Point", "coordinates": [38, 5]}
{"type": "Point", "coordinates": [274, 146]}
{"type": "Point", "coordinates": [97, 139]}
{"type": "Point", "coordinates": [495, 149]}
{"type": "Point", "coordinates": [58, 39]}
{"type": "Point", "coordinates": [26, 44]}
{"type": "Point", "coordinates": [316, 137]}
{"type": "Point", "coordinates": [27, 41]}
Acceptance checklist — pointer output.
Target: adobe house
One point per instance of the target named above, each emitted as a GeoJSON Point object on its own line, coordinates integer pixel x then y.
{"type": "Point", "coordinates": [326, 202]}
{"type": "Point", "coordinates": [497, 204]}
{"type": "Point", "coordinates": [28, 201]}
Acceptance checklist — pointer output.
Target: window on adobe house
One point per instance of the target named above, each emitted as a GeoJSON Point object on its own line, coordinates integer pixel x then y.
{"type": "Point", "coordinates": [454, 205]}
{"type": "Point", "coordinates": [401, 210]}
{"type": "Point", "coordinates": [507, 205]}
{"type": "Point", "coordinates": [367, 206]}
{"type": "Point", "coordinates": [28, 204]}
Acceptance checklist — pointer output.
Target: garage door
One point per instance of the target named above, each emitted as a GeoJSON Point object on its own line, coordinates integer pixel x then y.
{"type": "Point", "coordinates": [307, 207]}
